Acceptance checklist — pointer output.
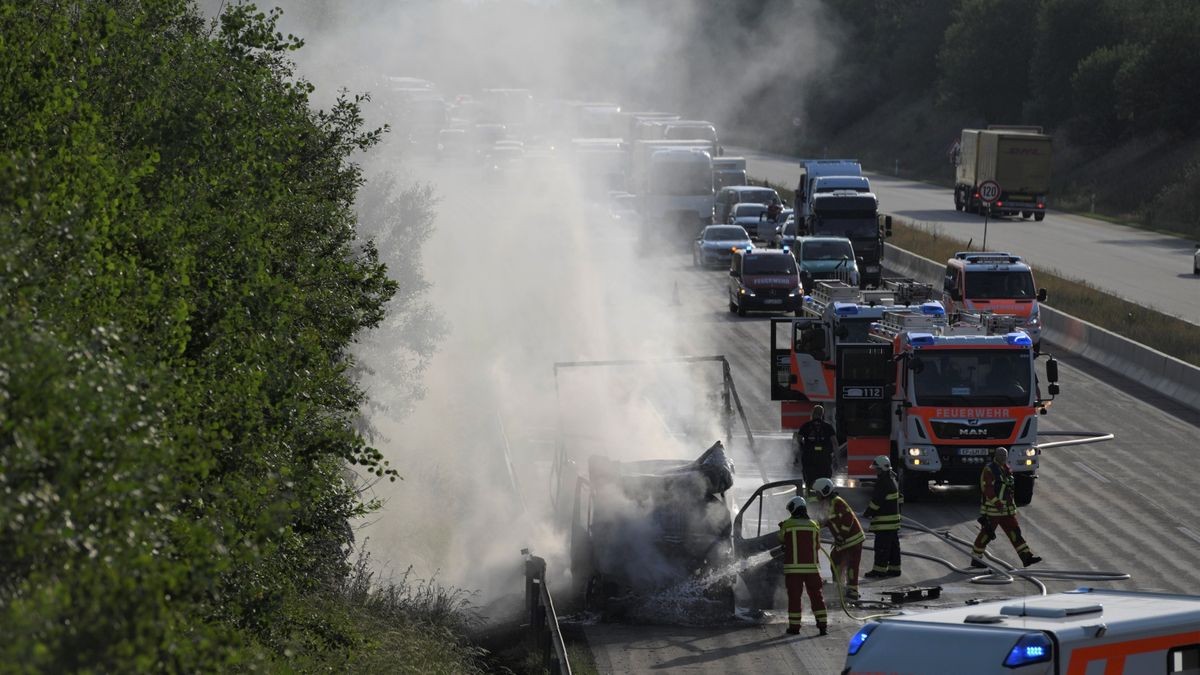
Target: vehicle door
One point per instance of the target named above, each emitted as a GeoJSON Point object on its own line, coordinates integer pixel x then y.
{"type": "Point", "coordinates": [862, 414]}
{"type": "Point", "coordinates": [756, 534]}
{"type": "Point", "coordinates": [951, 289]}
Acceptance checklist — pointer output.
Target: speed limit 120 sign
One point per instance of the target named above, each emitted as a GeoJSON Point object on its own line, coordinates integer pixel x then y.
{"type": "Point", "coordinates": [989, 191]}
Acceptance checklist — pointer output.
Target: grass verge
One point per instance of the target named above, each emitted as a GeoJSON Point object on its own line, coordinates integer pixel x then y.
{"type": "Point", "coordinates": [1154, 329]}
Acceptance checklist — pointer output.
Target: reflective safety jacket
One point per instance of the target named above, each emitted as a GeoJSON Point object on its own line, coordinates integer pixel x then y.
{"type": "Point", "coordinates": [800, 539]}
{"type": "Point", "coordinates": [996, 496]}
{"type": "Point", "coordinates": [884, 509]}
{"type": "Point", "coordinates": [843, 523]}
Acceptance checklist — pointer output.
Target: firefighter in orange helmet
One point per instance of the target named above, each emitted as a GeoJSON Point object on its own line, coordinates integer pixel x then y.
{"type": "Point", "coordinates": [801, 539]}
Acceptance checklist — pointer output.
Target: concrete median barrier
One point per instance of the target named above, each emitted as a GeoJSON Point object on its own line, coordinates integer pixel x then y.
{"type": "Point", "coordinates": [1173, 378]}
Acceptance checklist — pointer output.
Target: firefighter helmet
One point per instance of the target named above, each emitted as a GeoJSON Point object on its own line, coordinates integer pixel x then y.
{"type": "Point", "coordinates": [797, 506]}
{"type": "Point", "coordinates": [823, 487]}
{"type": "Point", "coordinates": [882, 463]}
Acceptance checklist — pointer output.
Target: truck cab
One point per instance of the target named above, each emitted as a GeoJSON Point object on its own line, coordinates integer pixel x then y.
{"type": "Point", "coordinates": [1087, 630]}
{"type": "Point", "coordinates": [854, 215]}
{"type": "Point", "coordinates": [810, 171]}
{"type": "Point", "coordinates": [996, 282]}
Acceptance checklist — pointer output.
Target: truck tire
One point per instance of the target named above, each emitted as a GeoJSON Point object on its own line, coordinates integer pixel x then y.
{"type": "Point", "coordinates": [1025, 215]}
{"type": "Point", "coordinates": [958, 205]}
{"type": "Point", "coordinates": [1023, 488]}
{"type": "Point", "coordinates": [1039, 216]}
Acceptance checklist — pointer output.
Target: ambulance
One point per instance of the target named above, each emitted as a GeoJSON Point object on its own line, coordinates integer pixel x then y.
{"type": "Point", "coordinates": [1082, 632]}
{"type": "Point", "coordinates": [997, 282]}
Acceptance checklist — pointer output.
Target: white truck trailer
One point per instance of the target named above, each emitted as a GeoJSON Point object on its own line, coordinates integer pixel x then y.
{"type": "Point", "coordinates": [673, 181]}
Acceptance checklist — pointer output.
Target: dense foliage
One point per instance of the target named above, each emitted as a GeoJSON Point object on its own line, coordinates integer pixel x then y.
{"type": "Point", "coordinates": [180, 281]}
{"type": "Point", "coordinates": [1104, 69]}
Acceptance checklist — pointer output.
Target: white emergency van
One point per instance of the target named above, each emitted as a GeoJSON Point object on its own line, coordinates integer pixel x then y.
{"type": "Point", "coordinates": [1081, 632]}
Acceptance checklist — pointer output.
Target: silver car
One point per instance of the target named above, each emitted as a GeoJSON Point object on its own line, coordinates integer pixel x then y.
{"type": "Point", "coordinates": [716, 244]}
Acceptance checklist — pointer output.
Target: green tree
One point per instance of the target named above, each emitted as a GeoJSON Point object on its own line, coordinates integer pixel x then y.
{"type": "Point", "coordinates": [985, 56]}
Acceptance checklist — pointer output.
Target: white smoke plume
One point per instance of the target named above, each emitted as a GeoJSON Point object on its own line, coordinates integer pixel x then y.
{"type": "Point", "coordinates": [522, 272]}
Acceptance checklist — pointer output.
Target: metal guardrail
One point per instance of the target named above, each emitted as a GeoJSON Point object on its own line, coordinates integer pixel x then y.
{"type": "Point", "coordinates": [545, 636]}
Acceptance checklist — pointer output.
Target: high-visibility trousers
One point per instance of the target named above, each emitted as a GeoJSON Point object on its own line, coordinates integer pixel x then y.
{"type": "Point", "coordinates": [797, 583]}
{"type": "Point", "coordinates": [987, 533]}
{"type": "Point", "coordinates": [887, 551]}
{"type": "Point", "coordinates": [845, 565]}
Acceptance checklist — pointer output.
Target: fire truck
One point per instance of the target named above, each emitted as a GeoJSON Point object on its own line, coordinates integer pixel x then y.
{"type": "Point", "coordinates": [936, 397]}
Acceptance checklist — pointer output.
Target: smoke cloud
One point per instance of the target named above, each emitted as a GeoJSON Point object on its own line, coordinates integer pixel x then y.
{"type": "Point", "coordinates": [514, 270]}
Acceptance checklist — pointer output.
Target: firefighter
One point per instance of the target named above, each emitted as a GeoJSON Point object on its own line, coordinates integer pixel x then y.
{"type": "Point", "coordinates": [884, 512]}
{"type": "Point", "coordinates": [815, 443]}
{"type": "Point", "coordinates": [847, 536]}
{"type": "Point", "coordinates": [997, 506]}
{"type": "Point", "coordinates": [801, 539]}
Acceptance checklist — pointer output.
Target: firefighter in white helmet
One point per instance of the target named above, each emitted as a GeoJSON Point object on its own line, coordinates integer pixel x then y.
{"type": "Point", "coordinates": [801, 540]}
{"type": "Point", "coordinates": [884, 512]}
{"type": "Point", "coordinates": [847, 533]}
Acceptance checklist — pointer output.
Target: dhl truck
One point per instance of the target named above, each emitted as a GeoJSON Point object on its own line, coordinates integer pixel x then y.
{"type": "Point", "coordinates": [1018, 158]}
{"type": "Point", "coordinates": [1082, 632]}
{"type": "Point", "coordinates": [934, 396]}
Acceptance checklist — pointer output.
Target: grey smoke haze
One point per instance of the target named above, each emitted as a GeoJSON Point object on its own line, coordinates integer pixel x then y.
{"type": "Point", "coordinates": [520, 273]}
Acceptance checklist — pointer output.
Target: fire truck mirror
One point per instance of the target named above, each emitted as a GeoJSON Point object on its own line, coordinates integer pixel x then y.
{"type": "Point", "coordinates": [1053, 389]}
{"type": "Point", "coordinates": [1042, 295]}
{"type": "Point", "coordinates": [916, 365]}
{"type": "Point", "coordinates": [1052, 370]}
{"type": "Point", "coordinates": [887, 225]}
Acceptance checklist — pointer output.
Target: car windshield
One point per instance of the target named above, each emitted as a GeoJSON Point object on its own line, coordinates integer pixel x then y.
{"type": "Point", "coordinates": [769, 264]}
{"type": "Point", "coordinates": [827, 250]}
{"type": "Point", "coordinates": [973, 377]}
{"type": "Point", "coordinates": [789, 228]}
{"type": "Point", "coordinates": [726, 233]}
{"type": "Point", "coordinates": [748, 210]}
{"type": "Point", "coordinates": [763, 196]}
{"type": "Point", "coordinates": [691, 133]}
{"type": "Point", "coordinates": [986, 285]}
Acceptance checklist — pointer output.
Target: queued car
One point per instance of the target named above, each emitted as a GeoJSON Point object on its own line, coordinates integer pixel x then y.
{"type": "Point", "coordinates": [717, 243]}
{"type": "Point", "coordinates": [825, 258]}
{"type": "Point", "coordinates": [764, 280]}
{"type": "Point", "coordinates": [748, 215]}
{"type": "Point", "coordinates": [731, 195]}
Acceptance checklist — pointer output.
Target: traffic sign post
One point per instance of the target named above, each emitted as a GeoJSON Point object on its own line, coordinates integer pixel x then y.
{"type": "Point", "coordinates": [989, 192]}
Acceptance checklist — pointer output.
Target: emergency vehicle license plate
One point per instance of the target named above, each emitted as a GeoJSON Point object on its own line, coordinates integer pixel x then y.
{"type": "Point", "coordinates": [775, 301]}
{"type": "Point", "coordinates": [972, 452]}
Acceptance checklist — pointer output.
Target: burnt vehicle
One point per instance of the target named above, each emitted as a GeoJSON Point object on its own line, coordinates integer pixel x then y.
{"type": "Point", "coordinates": [664, 530]}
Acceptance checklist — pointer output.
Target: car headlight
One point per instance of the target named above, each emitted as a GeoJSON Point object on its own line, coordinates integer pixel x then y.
{"type": "Point", "coordinates": [747, 292]}
{"type": "Point", "coordinates": [792, 294]}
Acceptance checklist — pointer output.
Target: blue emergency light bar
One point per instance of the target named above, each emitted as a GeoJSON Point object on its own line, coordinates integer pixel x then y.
{"type": "Point", "coordinates": [933, 308]}
{"type": "Point", "coordinates": [860, 637]}
{"type": "Point", "coordinates": [1031, 648]}
{"type": "Point", "coordinates": [845, 308]}
{"type": "Point", "coordinates": [921, 339]}
{"type": "Point", "coordinates": [1019, 339]}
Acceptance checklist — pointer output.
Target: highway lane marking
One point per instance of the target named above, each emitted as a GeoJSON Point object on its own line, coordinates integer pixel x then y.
{"type": "Point", "coordinates": [1189, 533]}
{"type": "Point", "coordinates": [1089, 470]}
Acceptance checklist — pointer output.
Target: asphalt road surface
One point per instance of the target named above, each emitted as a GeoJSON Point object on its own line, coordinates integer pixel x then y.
{"type": "Point", "coordinates": [546, 284]}
{"type": "Point", "coordinates": [1123, 505]}
{"type": "Point", "coordinates": [1137, 265]}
